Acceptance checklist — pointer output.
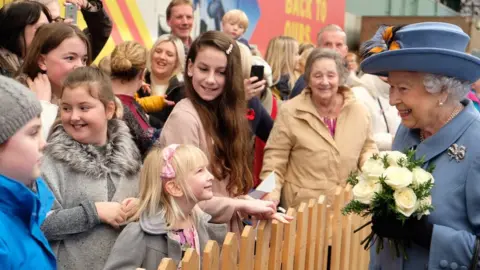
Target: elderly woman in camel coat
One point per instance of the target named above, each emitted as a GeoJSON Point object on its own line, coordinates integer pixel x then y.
{"type": "Point", "coordinates": [320, 136]}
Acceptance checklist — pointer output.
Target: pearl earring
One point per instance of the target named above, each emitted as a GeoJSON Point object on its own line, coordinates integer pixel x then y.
{"type": "Point", "coordinates": [440, 103]}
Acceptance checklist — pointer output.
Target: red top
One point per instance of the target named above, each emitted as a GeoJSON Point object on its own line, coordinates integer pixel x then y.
{"type": "Point", "coordinates": [331, 125]}
{"type": "Point", "coordinates": [130, 102]}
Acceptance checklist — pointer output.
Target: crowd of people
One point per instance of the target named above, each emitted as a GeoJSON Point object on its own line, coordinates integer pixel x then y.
{"type": "Point", "coordinates": [155, 150]}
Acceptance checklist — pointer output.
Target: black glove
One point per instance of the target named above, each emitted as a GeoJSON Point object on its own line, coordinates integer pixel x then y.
{"type": "Point", "coordinates": [418, 231]}
{"type": "Point", "coordinates": [422, 231]}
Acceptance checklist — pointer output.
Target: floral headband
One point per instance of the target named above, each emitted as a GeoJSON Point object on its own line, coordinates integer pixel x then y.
{"type": "Point", "coordinates": [167, 171]}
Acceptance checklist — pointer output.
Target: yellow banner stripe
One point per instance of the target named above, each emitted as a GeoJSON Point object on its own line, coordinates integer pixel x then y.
{"type": "Point", "coordinates": [140, 23]}
{"type": "Point", "coordinates": [117, 18]}
{"type": "Point", "coordinates": [107, 50]}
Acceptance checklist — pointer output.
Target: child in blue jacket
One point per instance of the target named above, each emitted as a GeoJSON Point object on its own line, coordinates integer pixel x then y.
{"type": "Point", "coordinates": [24, 197]}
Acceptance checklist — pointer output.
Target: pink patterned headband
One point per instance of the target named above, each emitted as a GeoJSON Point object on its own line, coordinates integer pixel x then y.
{"type": "Point", "coordinates": [167, 171]}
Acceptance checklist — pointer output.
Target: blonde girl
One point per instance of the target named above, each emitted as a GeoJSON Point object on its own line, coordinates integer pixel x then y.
{"type": "Point", "coordinates": [172, 181]}
{"type": "Point", "coordinates": [282, 56]}
{"type": "Point", "coordinates": [91, 164]}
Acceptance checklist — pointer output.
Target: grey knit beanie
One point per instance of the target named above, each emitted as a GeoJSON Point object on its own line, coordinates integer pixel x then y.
{"type": "Point", "coordinates": [18, 105]}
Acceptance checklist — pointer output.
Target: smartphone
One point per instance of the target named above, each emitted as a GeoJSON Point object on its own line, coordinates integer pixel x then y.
{"type": "Point", "coordinates": [257, 71]}
{"type": "Point", "coordinates": [71, 12]}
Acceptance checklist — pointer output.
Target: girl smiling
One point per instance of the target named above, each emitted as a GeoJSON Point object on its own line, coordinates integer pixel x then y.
{"type": "Point", "coordinates": [91, 165]}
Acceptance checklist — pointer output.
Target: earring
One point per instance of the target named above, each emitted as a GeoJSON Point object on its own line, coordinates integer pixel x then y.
{"type": "Point", "coordinates": [440, 103]}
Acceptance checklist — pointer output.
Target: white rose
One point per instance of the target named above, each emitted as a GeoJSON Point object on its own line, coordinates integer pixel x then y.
{"type": "Point", "coordinates": [420, 176]}
{"type": "Point", "coordinates": [423, 203]}
{"type": "Point", "coordinates": [398, 177]}
{"type": "Point", "coordinates": [393, 157]}
{"type": "Point", "coordinates": [364, 190]}
{"type": "Point", "coordinates": [372, 169]}
{"type": "Point", "coordinates": [405, 201]}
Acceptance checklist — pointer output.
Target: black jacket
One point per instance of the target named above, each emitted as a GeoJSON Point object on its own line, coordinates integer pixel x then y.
{"type": "Point", "coordinates": [99, 27]}
{"type": "Point", "coordinates": [175, 92]}
{"type": "Point", "coordinates": [262, 124]}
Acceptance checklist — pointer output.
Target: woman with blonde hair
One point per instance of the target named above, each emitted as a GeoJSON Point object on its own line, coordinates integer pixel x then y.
{"type": "Point", "coordinates": [165, 66]}
{"type": "Point", "coordinates": [304, 52]}
{"type": "Point", "coordinates": [282, 56]}
{"type": "Point", "coordinates": [127, 66]}
{"type": "Point", "coordinates": [173, 181]}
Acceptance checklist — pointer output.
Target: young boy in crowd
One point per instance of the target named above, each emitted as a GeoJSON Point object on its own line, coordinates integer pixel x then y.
{"type": "Point", "coordinates": [24, 198]}
{"type": "Point", "coordinates": [235, 24]}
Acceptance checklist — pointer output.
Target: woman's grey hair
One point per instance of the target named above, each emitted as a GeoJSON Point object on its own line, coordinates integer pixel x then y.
{"type": "Point", "coordinates": [324, 53]}
{"type": "Point", "coordinates": [456, 89]}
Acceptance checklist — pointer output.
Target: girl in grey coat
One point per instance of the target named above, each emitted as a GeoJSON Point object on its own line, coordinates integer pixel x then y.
{"type": "Point", "coordinates": [172, 182]}
{"type": "Point", "coordinates": [91, 164]}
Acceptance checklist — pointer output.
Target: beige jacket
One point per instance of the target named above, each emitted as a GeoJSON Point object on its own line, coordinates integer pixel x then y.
{"type": "Point", "coordinates": [184, 126]}
{"type": "Point", "coordinates": [307, 160]}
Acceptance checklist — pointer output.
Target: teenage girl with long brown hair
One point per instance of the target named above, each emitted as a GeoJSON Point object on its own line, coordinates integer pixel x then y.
{"type": "Point", "coordinates": [213, 118]}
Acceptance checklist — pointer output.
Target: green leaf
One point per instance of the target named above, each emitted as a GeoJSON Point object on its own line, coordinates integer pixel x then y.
{"type": "Point", "coordinates": [385, 162]}
{"type": "Point", "coordinates": [353, 178]}
{"type": "Point", "coordinates": [431, 168]}
{"type": "Point", "coordinates": [355, 207]}
{"type": "Point", "coordinates": [423, 190]}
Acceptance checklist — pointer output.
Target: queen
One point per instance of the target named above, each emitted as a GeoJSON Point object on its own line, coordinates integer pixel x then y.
{"type": "Point", "coordinates": [430, 75]}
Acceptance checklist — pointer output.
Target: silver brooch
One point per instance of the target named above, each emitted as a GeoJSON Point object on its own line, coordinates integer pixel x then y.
{"type": "Point", "coordinates": [457, 152]}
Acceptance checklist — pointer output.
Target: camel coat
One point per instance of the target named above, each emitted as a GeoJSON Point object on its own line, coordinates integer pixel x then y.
{"type": "Point", "coordinates": [307, 160]}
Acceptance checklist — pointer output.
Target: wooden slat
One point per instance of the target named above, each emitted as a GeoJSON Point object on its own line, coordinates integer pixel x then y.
{"type": "Point", "coordinates": [230, 252]}
{"type": "Point", "coordinates": [347, 193]}
{"type": "Point", "coordinates": [322, 222]}
{"type": "Point", "coordinates": [289, 242]}
{"type": "Point", "coordinates": [311, 235]}
{"type": "Point", "coordinates": [301, 237]}
{"type": "Point", "coordinates": [191, 260]}
{"type": "Point", "coordinates": [328, 239]}
{"type": "Point", "coordinates": [246, 248]}
{"type": "Point", "coordinates": [262, 245]}
{"type": "Point", "coordinates": [346, 232]}
{"type": "Point", "coordinates": [167, 264]}
{"type": "Point", "coordinates": [346, 242]}
{"type": "Point", "coordinates": [337, 230]}
{"type": "Point", "coordinates": [276, 244]}
{"type": "Point", "coordinates": [211, 256]}
{"type": "Point", "coordinates": [355, 245]}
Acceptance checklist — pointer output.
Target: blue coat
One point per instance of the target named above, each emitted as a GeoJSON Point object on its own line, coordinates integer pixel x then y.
{"type": "Point", "coordinates": [22, 243]}
{"type": "Point", "coordinates": [455, 196]}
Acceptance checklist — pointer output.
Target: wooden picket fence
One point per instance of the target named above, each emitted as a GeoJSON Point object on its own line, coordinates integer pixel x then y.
{"type": "Point", "coordinates": [302, 244]}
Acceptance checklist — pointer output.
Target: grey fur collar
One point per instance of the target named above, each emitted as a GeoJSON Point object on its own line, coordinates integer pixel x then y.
{"type": "Point", "coordinates": [121, 155]}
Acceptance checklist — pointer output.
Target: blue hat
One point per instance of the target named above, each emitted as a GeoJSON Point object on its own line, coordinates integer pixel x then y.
{"type": "Point", "coordinates": [430, 47]}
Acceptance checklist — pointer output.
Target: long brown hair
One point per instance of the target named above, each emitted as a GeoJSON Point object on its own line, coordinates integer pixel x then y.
{"type": "Point", "coordinates": [224, 119]}
{"type": "Point", "coordinates": [47, 38]}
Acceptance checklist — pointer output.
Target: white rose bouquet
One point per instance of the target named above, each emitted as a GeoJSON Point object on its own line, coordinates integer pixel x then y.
{"type": "Point", "coordinates": [391, 184]}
